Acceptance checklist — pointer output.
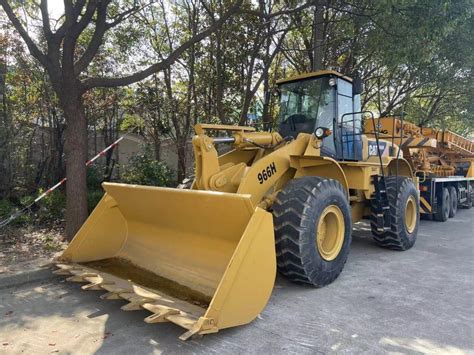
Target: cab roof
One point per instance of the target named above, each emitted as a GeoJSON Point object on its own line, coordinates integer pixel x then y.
{"type": "Point", "coordinates": [313, 75]}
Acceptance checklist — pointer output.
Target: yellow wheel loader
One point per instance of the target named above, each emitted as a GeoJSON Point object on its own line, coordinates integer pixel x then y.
{"type": "Point", "coordinates": [206, 258]}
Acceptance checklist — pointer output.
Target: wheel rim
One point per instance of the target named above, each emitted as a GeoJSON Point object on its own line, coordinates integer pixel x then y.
{"type": "Point", "coordinates": [330, 232]}
{"type": "Point", "coordinates": [410, 214]}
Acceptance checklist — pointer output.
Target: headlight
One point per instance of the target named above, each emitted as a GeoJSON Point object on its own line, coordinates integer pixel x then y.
{"type": "Point", "coordinates": [322, 132]}
{"type": "Point", "coordinates": [332, 82]}
{"type": "Point", "coordinates": [319, 133]}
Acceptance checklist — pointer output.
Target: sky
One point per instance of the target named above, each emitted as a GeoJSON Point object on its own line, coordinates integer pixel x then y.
{"type": "Point", "coordinates": [55, 8]}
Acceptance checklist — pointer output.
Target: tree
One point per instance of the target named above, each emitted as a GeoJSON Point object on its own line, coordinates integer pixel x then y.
{"type": "Point", "coordinates": [66, 63]}
{"type": "Point", "coordinates": [4, 120]}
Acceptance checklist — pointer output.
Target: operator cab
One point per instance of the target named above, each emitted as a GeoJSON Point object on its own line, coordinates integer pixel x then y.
{"type": "Point", "coordinates": [323, 99]}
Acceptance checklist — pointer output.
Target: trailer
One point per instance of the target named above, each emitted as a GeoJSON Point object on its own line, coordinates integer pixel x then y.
{"type": "Point", "coordinates": [441, 196]}
{"type": "Point", "coordinates": [443, 162]}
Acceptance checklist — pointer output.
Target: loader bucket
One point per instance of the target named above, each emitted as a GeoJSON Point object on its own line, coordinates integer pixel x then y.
{"type": "Point", "coordinates": [203, 260]}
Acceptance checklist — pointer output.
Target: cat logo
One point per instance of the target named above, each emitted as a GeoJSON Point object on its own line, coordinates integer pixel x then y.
{"type": "Point", "coordinates": [373, 148]}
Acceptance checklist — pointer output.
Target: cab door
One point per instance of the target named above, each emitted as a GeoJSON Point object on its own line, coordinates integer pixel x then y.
{"type": "Point", "coordinates": [348, 127]}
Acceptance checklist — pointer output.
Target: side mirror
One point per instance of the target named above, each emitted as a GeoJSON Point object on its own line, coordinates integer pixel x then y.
{"type": "Point", "coordinates": [357, 86]}
{"type": "Point", "coordinates": [276, 91]}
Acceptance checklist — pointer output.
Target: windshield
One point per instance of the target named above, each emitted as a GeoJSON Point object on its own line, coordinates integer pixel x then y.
{"type": "Point", "coordinates": [305, 105]}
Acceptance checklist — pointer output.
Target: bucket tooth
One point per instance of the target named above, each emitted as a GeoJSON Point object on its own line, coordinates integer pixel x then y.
{"type": "Point", "coordinates": [161, 316]}
{"type": "Point", "coordinates": [199, 328]}
{"type": "Point", "coordinates": [81, 277]}
{"type": "Point", "coordinates": [47, 265]}
{"type": "Point", "coordinates": [64, 269]}
{"type": "Point", "coordinates": [144, 293]}
{"type": "Point", "coordinates": [135, 303]}
{"type": "Point", "coordinates": [65, 266]}
{"type": "Point", "coordinates": [132, 306]}
{"type": "Point", "coordinates": [114, 295]}
{"type": "Point", "coordinates": [96, 286]}
{"type": "Point", "coordinates": [189, 334]}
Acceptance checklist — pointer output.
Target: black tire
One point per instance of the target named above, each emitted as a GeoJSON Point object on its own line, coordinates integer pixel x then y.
{"type": "Point", "coordinates": [402, 194]}
{"type": "Point", "coordinates": [453, 197]}
{"type": "Point", "coordinates": [444, 203]}
{"type": "Point", "coordinates": [468, 204]}
{"type": "Point", "coordinates": [296, 215]}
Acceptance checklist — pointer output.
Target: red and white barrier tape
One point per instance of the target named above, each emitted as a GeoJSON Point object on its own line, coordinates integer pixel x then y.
{"type": "Point", "coordinates": [17, 214]}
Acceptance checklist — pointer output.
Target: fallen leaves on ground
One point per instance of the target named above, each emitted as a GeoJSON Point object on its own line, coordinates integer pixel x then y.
{"type": "Point", "coordinates": [24, 244]}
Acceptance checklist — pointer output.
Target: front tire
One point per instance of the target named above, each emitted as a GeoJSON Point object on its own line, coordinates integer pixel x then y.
{"type": "Point", "coordinates": [313, 230]}
{"type": "Point", "coordinates": [404, 215]}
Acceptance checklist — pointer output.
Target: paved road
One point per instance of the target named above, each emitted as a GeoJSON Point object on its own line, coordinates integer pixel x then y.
{"type": "Point", "coordinates": [419, 301]}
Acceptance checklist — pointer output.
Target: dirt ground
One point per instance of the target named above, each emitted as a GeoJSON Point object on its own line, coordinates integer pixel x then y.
{"type": "Point", "coordinates": [26, 248]}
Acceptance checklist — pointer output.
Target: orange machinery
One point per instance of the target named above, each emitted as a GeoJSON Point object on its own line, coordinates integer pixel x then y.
{"type": "Point", "coordinates": [442, 160]}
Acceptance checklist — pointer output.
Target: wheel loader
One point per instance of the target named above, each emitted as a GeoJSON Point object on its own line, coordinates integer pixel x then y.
{"type": "Point", "coordinates": [206, 258]}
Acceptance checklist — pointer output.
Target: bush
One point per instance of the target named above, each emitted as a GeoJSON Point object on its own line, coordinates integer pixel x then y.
{"type": "Point", "coordinates": [8, 208]}
{"type": "Point", "coordinates": [94, 178]}
{"type": "Point", "coordinates": [52, 207]}
{"type": "Point", "coordinates": [145, 170]}
{"type": "Point", "coordinates": [5, 208]}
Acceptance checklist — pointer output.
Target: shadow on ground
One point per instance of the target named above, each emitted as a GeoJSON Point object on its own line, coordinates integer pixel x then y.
{"type": "Point", "coordinates": [418, 301]}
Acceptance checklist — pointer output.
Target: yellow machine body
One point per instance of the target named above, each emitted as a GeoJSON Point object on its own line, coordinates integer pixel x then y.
{"type": "Point", "coordinates": [205, 258]}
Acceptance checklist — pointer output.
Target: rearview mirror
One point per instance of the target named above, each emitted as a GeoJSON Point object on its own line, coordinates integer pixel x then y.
{"type": "Point", "coordinates": [276, 91]}
{"type": "Point", "coordinates": [357, 86]}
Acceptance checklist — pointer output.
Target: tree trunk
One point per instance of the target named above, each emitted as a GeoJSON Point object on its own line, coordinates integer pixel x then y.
{"type": "Point", "coordinates": [267, 126]}
{"type": "Point", "coordinates": [5, 140]}
{"type": "Point", "coordinates": [181, 147]}
{"type": "Point", "coordinates": [245, 107]}
{"type": "Point", "coordinates": [318, 38]}
{"type": "Point", "coordinates": [157, 147]}
{"type": "Point", "coordinates": [76, 153]}
{"type": "Point", "coordinates": [220, 72]}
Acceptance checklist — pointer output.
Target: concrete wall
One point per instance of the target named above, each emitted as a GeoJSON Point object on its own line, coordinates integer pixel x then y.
{"type": "Point", "coordinates": [132, 144]}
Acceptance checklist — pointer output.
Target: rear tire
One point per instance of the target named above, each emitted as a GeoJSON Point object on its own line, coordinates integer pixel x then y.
{"type": "Point", "coordinates": [468, 204]}
{"type": "Point", "coordinates": [444, 202]}
{"type": "Point", "coordinates": [313, 230]}
{"type": "Point", "coordinates": [453, 206]}
{"type": "Point", "coordinates": [404, 215]}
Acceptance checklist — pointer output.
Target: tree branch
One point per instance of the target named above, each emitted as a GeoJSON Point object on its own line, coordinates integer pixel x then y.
{"type": "Point", "coordinates": [78, 27]}
{"type": "Point", "coordinates": [114, 82]}
{"type": "Point", "coordinates": [95, 42]}
{"type": "Point", "coordinates": [32, 47]}
{"type": "Point", "coordinates": [279, 13]}
{"type": "Point", "coordinates": [45, 16]}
